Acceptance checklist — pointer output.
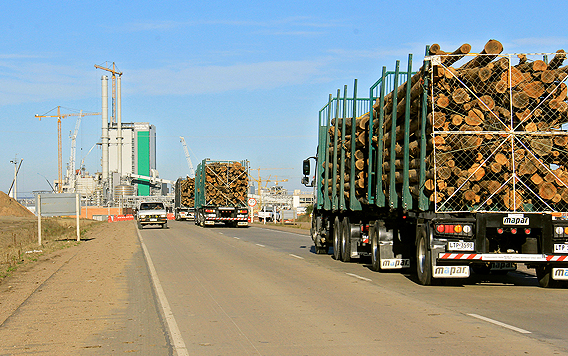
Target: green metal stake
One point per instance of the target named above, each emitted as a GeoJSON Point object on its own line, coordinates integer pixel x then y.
{"type": "Point", "coordinates": [353, 135]}
{"type": "Point", "coordinates": [327, 138]}
{"type": "Point", "coordinates": [422, 198]}
{"type": "Point", "coordinates": [335, 163]}
{"type": "Point", "coordinates": [406, 197]}
{"type": "Point", "coordinates": [393, 197]}
{"type": "Point", "coordinates": [342, 177]}
{"type": "Point", "coordinates": [380, 194]}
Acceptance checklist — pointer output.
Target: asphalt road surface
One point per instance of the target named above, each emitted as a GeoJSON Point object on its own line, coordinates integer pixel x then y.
{"type": "Point", "coordinates": [256, 291]}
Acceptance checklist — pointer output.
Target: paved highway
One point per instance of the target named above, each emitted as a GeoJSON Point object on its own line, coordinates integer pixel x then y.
{"type": "Point", "coordinates": [255, 291]}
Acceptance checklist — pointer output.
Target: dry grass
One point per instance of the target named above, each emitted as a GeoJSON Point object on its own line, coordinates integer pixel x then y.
{"type": "Point", "coordinates": [19, 242]}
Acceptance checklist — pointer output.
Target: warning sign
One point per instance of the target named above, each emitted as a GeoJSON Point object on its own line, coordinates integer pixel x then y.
{"type": "Point", "coordinates": [252, 202]}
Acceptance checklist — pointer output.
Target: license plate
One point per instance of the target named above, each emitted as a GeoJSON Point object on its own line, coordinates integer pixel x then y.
{"type": "Point", "coordinates": [451, 271]}
{"type": "Point", "coordinates": [515, 219]}
{"type": "Point", "coordinates": [461, 246]}
{"type": "Point", "coordinates": [562, 248]}
{"type": "Point", "coordinates": [153, 219]}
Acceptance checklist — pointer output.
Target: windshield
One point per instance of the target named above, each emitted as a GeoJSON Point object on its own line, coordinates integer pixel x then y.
{"type": "Point", "coordinates": [152, 206]}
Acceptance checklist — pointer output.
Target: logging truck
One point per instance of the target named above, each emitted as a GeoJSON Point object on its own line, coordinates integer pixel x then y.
{"type": "Point", "coordinates": [184, 199]}
{"type": "Point", "coordinates": [221, 189]}
{"type": "Point", "coordinates": [459, 166]}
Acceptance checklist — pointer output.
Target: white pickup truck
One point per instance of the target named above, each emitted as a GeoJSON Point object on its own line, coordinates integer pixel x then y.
{"type": "Point", "coordinates": [268, 213]}
{"type": "Point", "coordinates": [151, 213]}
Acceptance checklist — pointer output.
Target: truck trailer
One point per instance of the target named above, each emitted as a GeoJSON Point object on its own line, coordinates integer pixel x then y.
{"type": "Point", "coordinates": [460, 165]}
{"type": "Point", "coordinates": [221, 193]}
{"type": "Point", "coordinates": [184, 199]}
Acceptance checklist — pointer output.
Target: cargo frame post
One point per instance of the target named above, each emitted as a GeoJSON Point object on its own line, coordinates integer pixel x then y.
{"type": "Point", "coordinates": [334, 198]}
{"type": "Point", "coordinates": [327, 200]}
{"type": "Point", "coordinates": [342, 170]}
{"type": "Point", "coordinates": [422, 199]}
{"type": "Point", "coordinates": [322, 126]}
{"type": "Point", "coordinates": [406, 197]}
{"type": "Point", "coordinates": [379, 196]}
{"type": "Point", "coordinates": [393, 197]}
{"type": "Point", "coordinates": [352, 201]}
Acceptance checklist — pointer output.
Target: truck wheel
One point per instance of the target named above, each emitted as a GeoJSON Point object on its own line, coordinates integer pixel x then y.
{"type": "Point", "coordinates": [423, 260]}
{"type": "Point", "coordinates": [544, 276]}
{"type": "Point", "coordinates": [321, 248]}
{"type": "Point", "coordinates": [165, 226]}
{"type": "Point", "coordinates": [337, 239]}
{"type": "Point", "coordinates": [375, 248]}
{"type": "Point", "coordinates": [140, 227]}
{"type": "Point", "coordinates": [346, 240]}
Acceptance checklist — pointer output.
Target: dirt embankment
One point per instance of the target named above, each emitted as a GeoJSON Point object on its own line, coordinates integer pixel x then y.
{"type": "Point", "coordinates": [10, 207]}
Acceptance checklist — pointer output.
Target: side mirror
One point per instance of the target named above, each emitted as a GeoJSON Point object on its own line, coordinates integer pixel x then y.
{"type": "Point", "coordinates": [306, 167]}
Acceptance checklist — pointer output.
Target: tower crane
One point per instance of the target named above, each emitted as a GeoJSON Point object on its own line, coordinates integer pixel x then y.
{"type": "Point", "coordinates": [259, 182]}
{"type": "Point", "coordinates": [60, 116]}
{"type": "Point", "coordinates": [191, 170]}
{"type": "Point", "coordinates": [114, 72]}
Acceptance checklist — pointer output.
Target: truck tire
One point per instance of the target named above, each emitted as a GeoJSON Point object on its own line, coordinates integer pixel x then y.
{"type": "Point", "coordinates": [375, 248]}
{"type": "Point", "coordinates": [164, 225]}
{"type": "Point", "coordinates": [544, 276]}
{"type": "Point", "coordinates": [321, 248]}
{"type": "Point", "coordinates": [140, 227]}
{"type": "Point", "coordinates": [423, 259]}
{"type": "Point", "coordinates": [346, 240]}
{"type": "Point", "coordinates": [337, 239]}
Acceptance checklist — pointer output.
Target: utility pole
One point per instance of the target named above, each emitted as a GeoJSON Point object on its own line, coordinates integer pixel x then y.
{"type": "Point", "coordinates": [17, 164]}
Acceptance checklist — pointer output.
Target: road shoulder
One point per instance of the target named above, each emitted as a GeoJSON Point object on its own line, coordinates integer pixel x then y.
{"type": "Point", "coordinates": [94, 298]}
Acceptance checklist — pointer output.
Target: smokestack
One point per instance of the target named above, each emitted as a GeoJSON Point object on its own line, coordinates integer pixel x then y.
{"type": "Point", "coordinates": [119, 125]}
{"type": "Point", "coordinates": [104, 137]}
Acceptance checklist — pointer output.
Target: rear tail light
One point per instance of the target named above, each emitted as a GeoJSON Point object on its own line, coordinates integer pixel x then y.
{"type": "Point", "coordinates": [243, 211]}
{"type": "Point", "coordinates": [500, 231]}
{"type": "Point", "coordinates": [457, 229]}
{"type": "Point", "coordinates": [513, 231]}
{"type": "Point", "coordinates": [527, 231]}
{"type": "Point", "coordinates": [209, 210]}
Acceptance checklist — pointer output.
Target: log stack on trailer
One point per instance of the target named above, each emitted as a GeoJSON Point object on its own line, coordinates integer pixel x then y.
{"type": "Point", "coordinates": [221, 192]}
{"type": "Point", "coordinates": [184, 198]}
{"type": "Point", "coordinates": [467, 169]}
{"type": "Point", "coordinates": [475, 140]}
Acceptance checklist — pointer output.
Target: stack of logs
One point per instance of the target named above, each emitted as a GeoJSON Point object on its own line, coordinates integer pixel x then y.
{"type": "Point", "coordinates": [226, 184]}
{"type": "Point", "coordinates": [187, 192]}
{"type": "Point", "coordinates": [473, 170]}
{"type": "Point", "coordinates": [361, 152]}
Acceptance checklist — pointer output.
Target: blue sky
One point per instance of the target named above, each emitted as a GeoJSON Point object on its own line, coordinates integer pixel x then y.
{"type": "Point", "coordinates": [238, 81]}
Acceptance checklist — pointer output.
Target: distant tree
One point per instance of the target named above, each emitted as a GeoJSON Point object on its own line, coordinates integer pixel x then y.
{"type": "Point", "coordinates": [309, 209]}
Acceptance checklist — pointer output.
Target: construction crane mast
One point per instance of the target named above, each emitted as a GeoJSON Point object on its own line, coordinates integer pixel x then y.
{"type": "Point", "coordinates": [114, 72]}
{"type": "Point", "coordinates": [60, 116]}
{"type": "Point", "coordinates": [190, 165]}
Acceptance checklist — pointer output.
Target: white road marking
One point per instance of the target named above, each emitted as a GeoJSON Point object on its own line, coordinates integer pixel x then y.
{"type": "Point", "coordinates": [179, 344]}
{"type": "Point", "coordinates": [359, 277]}
{"type": "Point", "coordinates": [301, 258]}
{"type": "Point", "coordinates": [519, 330]}
{"type": "Point", "coordinates": [280, 231]}
{"type": "Point", "coordinates": [260, 245]}
{"type": "Point", "coordinates": [238, 238]}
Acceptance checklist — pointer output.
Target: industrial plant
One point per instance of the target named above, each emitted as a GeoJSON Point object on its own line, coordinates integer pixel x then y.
{"type": "Point", "coordinates": [128, 172]}
{"type": "Point", "coordinates": [128, 162]}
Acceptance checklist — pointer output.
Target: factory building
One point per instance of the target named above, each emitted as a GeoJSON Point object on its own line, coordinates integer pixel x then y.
{"type": "Point", "coordinates": [138, 152]}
